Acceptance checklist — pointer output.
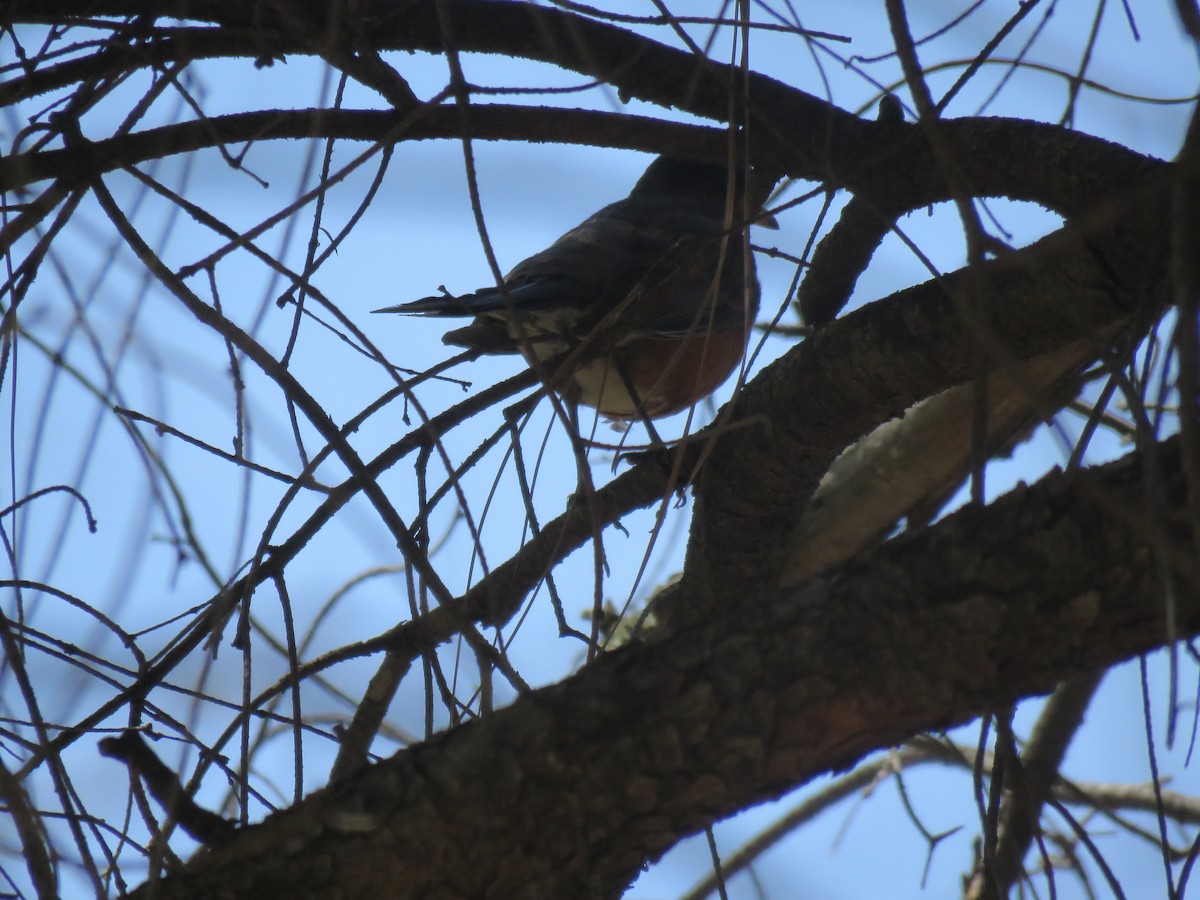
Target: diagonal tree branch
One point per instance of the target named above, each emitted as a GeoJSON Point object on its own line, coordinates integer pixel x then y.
{"type": "Point", "coordinates": [758, 481]}
{"type": "Point", "coordinates": [655, 741]}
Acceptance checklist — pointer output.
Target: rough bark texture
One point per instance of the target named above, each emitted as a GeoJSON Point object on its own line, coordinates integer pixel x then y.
{"type": "Point", "coordinates": [571, 790]}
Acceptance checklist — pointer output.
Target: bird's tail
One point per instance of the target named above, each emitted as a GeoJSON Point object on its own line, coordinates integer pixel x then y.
{"type": "Point", "coordinates": [530, 295]}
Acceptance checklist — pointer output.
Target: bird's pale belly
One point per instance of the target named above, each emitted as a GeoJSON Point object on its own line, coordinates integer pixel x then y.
{"type": "Point", "coordinates": [650, 376]}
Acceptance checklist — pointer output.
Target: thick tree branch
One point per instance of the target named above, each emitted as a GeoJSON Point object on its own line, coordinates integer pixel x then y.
{"type": "Point", "coordinates": [790, 131]}
{"type": "Point", "coordinates": [779, 663]}
{"type": "Point", "coordinates": [758, 481]}
{"type": "Point", "coordinates": [653, 742]}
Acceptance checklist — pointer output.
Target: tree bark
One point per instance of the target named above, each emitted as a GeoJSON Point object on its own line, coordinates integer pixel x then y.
{"type": "Point", "coordinates": [575, 787]}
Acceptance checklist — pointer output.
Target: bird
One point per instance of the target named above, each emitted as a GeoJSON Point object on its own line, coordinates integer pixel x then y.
{"type": "Point", "coordinates": [644, 307]}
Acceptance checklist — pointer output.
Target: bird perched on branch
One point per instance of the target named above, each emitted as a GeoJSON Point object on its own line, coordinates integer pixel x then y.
{"type": "Point", "coordinates": [639, 311]}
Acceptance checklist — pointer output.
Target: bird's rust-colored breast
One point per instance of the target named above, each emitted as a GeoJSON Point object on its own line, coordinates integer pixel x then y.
{"type": "Point", "coordinates": [667, 374]}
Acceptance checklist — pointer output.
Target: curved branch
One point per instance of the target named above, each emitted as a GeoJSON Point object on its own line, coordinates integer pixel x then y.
{"type": "Point", "coordinates": [491, 122]}
{"type": "Point", "coordinates": [791, 131]}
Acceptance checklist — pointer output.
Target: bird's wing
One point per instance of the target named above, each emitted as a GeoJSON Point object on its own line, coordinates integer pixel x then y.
{"type": "Point", "coordinates": [676, 244]}
{"type": "Point", "coordinates": [587, 263]}
{"type": "Point", "coordinates": [595, 265]}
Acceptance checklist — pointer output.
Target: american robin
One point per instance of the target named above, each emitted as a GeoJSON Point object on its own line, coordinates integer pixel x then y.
{"type": "Point", "coordinates": [644, 307]}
